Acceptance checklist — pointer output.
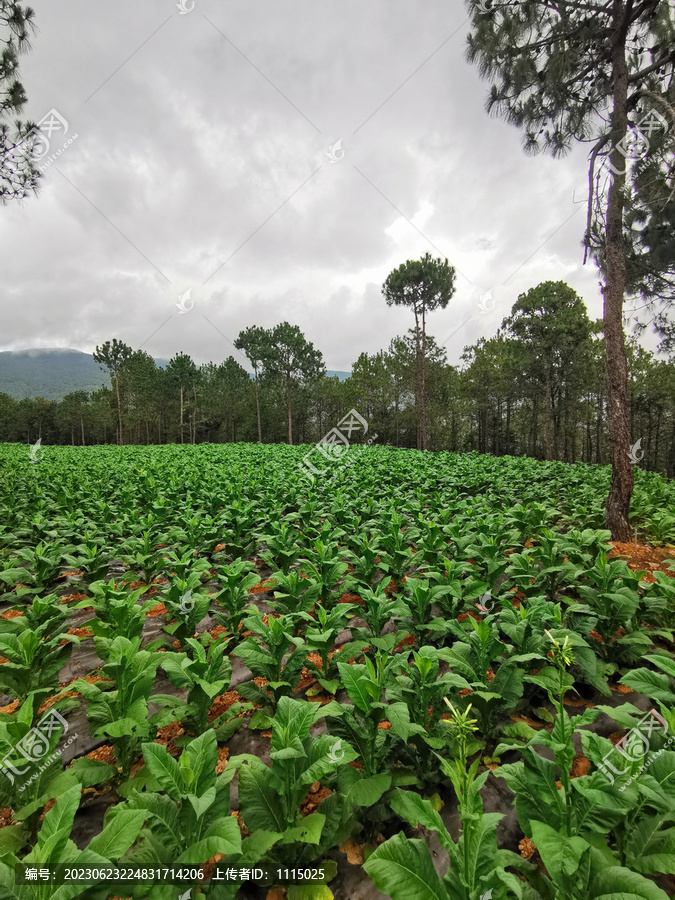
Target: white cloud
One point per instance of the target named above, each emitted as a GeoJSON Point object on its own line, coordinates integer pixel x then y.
{"type": "Point", "coordinates": [187, 150]}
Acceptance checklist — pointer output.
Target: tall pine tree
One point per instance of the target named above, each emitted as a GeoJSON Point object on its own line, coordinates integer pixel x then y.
{"type": "Point", "coordinates": [563, 71]}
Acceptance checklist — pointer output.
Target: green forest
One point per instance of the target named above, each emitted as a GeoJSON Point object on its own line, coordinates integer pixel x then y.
{"type": "Point", "coordinates": [536, 388]}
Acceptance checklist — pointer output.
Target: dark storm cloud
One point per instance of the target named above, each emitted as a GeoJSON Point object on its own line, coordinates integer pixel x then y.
{"type": "Point", "coordinates": [202, 164]}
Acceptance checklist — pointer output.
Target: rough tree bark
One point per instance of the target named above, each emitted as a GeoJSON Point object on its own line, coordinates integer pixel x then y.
{"type": "Point", "coordinates": [621, 487]}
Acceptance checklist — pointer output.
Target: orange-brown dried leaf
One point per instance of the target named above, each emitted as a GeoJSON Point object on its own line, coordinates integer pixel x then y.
{"type": "Point", "coordinates": [527, 848]}
{"type": "Point", "coordinates": [353, 852]}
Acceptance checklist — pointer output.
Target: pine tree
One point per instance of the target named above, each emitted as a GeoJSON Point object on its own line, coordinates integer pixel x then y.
{"type": "Point", "coordinates": [564, 71]}
{"type": "Point", "coordinates": [18, 174]}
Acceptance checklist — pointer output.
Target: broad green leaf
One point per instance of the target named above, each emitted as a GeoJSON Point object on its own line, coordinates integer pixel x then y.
{"type": "Point", "coordinates": [403, 870]}
{"type": "Point", "coordinates": [561, 855]}
{"type": "Point", "coordinates": [308, 830]}
{"type": "Point", "coordinates": [118, 835]}
{"type": "Point", "coordinates": [617, 883]}
{"type": "Point", "coordinates": [419, 811]}
{"type": "Point", "coordinates": [353, 680]}
{"type": "Point", "coordinates": [164, 769]}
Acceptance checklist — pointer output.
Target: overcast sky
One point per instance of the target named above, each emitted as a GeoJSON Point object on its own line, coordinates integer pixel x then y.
{"type": "Point", "coordinates": [202, 163]}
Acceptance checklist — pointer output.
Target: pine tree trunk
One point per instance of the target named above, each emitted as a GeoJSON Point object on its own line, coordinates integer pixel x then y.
{"type": "Point", "coordinates": [621, 487]}
{"type": "Point", "coordinates": [548, 424]}
{"type": "Point", "coordinates": [120, 437]}
{"type": "Point", "coordinates": [257, 407]}
{"type": "Point", "coordinates": [290, 415]}
{"type": "Point", "coordinates": [598, 429]}
{"type": "Point", "coordinates": [423, 386]}
{"type": "Point", "coordinates": [418, 415]}
{"type": "Point", "coordinates": [82, 426]}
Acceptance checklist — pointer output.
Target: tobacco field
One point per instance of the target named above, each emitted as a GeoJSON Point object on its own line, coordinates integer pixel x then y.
{"type": "Point", "coordinates": [419, 676]}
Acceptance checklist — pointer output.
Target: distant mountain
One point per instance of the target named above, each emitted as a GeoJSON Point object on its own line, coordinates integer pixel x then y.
{"type": "Point", "coordinates": [48, 373]}
{"type": "Point", "coordinates": [53, 372]}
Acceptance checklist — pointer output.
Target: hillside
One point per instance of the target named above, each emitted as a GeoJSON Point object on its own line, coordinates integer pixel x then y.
{"type": "Point", "coordinates": [53, 372]}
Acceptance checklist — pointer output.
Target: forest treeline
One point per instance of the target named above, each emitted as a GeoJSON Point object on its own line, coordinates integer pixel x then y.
{"type": "Point", "coordinates": [536, 388]}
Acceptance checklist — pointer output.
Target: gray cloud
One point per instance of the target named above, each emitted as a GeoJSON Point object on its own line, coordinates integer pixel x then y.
{"type": "Point", "coordinates": [207, 154]}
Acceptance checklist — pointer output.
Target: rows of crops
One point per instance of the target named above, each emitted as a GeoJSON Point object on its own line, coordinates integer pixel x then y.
{"type": "Point", "coordinates": [342, 675]}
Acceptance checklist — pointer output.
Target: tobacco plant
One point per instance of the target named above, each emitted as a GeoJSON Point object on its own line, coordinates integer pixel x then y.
{"type": "Point", "coordinates": [268, 657]}
{"type": "Point", "coordinates": [205, 674]}
{"type": "Point", "coordinates": [185, 806]}
{"type": "Point", "coordinates": [117, 706]}
{"type": "Point", "coordinates": [271, 797]}
{"type": "Point", "coordinates": [54, 846]}
{"type": "Point", "coordinates": [236, 581]}
{"type": "Point", "coordinates": [320, 634]}
{"type": "Point", "coordinates": [35, 656]}
{"type": "Point", "coordinates": [403, 868]}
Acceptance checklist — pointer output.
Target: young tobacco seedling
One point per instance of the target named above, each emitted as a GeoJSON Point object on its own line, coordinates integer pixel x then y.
{"type": "Point", "coordinates": [265, 658]}
{"type": "Point", "coordinates": [54, 846]}
{"type": "Point", "coordinates": [205, 675]}
{"type": "Point", "coordinates": [186, 806]}
{"type": "Point", "coordinates": [118, 706]}
{"type": "Point", "coordinates": [271, 797]}
{"type": "Point", "coordinates": [236, 579]}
